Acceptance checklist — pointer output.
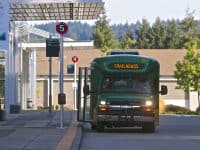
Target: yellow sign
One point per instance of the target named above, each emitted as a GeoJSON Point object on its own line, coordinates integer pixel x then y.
{"type": "Point", "coordinates": [126, 66]}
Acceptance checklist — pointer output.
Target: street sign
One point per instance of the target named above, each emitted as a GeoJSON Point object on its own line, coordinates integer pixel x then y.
{"type": "Point", "coordinates": [61, 98]}
{"type": "Point", "coordinates": [62, 28]}
{"type": "Point", "coordinates": [52, 47]}
{"type": "Point", "coordinates": [74, 59]}
{"type": "Point", "coordinates": [70, 68]}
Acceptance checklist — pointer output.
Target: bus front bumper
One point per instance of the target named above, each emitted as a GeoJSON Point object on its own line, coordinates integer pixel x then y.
{"type": "Point", "coordinates": [117, 118]}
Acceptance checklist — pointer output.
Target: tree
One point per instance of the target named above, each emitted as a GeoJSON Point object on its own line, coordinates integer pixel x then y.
{"type": "Point", "coordinates": [144, 36]}
{"type": "Point", "coordinates": [127, 41]}
{"type": "Point", "coordinates": [103, 35]}
{"type": "Point", "coordinates": [172, 37]}
{"type": "Point", "coordinates": [159, 34]}
{"type": "Point", "coordinates": [189, 29]}
{"type": "Point", "coordinates": [74, 36]}
{"type": "Point", "coordinates": [188, 70]}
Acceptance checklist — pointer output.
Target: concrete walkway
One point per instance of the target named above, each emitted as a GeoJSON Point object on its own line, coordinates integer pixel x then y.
{"type": "Point", "coordinates": [37, 130]}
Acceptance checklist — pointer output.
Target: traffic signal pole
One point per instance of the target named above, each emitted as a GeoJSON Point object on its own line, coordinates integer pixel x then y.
{"type": "Point", "coordinates": [75, 87]}
{"type": "Point", "coordinates": [61, 81]}
{"type": "Point", "coordinates": [61, 28]}
{"type": "Point", "coordinates": [50, 85]}
{"type": "Point", "coordinates": [75, 60]}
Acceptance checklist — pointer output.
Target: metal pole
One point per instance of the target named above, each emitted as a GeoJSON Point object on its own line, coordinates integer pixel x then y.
{"type": "Point", "coordinates": [50, 83]}
{"type": "Point", "coordinates": [75, 87]}
{"type": "Point", "coordinates": [79, 94]}
{"type": "Point", "coordinates": [85, 96]}
{"type": "Point", "coordinates": [61, 81]}
{"type": "Point", "coordinates": [50, 80]}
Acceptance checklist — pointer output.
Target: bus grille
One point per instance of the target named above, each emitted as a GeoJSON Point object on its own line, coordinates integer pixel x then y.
{"type": "Point", "coordinates": [128, 102]}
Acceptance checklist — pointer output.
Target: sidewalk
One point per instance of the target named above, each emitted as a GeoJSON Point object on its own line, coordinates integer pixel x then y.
{"type": "Point", "coordinates": [37, 130]}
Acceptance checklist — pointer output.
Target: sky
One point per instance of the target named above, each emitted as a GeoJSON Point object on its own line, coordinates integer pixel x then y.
{"type": "Point", "coordinates": [122, 11]}
{"type": "Point", "coordinates": [131, 11]}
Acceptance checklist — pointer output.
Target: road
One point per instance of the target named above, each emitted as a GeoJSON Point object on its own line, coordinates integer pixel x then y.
{"type": "Point", "coordinates": [173, 133]}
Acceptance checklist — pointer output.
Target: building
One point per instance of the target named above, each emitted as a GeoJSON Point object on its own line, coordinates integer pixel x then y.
{"type": "Point", "coordinates": [166, 57]}
{"type": "Point", "coordinates": [33, 80]}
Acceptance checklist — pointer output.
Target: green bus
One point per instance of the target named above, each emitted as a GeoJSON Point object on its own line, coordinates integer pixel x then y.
{"type": "Point", "coordinates": [124, 92]}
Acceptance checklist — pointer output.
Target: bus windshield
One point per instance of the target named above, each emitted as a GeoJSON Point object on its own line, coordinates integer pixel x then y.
{"type": "Point", "coordinates": [124, 84]}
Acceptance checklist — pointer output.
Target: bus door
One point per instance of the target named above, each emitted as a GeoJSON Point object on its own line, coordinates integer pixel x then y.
{"type": "Point", "coordinates": [83, 98]}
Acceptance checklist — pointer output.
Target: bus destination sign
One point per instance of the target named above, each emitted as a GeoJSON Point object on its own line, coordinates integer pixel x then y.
{"type": "Point", "coordinates": [126, 66]}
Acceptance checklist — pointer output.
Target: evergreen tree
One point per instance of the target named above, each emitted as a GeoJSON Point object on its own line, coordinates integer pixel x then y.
{"type": "Point", "coordinates": [158, 34]}
{"type": "Point", "coordinates": [127, 41]}
{"type": "Point", "coordinates": [119, 30]}
{"type": "Point", "coordinates": [163, 34]}
{"type": "Point", "coordinates": [144, 36]}
{"type": "Point", "coordinates": [189, 31]}
{"type": "Point", "coordinates": [103, 35]}
{"type": "Point", "coordinates": [74, 36]}
{"type": "Point", "coordinates": [83, 31]}
{"type": "Point", "coordinates": [172, 40]}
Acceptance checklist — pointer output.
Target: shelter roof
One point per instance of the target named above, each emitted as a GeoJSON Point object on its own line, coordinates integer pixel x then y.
{"type": "Point", "coordinates": [35, 10]}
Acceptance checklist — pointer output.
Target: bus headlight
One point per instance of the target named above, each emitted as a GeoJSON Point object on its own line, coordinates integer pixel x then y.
{"type": "Point", "coordinates": [148, 103]}
{"type": "Point", "coordinates": [102, 102]}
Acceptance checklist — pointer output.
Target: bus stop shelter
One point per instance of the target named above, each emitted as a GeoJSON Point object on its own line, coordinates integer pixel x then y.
{"type": "Point", "coordinates": [36, 10]}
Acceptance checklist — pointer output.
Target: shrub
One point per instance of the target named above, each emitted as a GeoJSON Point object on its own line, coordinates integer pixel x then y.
{"type": "Point", "coordinates": [56, 107]}
{"type": "Point", "coordinates": [161, 106]}
{"type": "Point", "coordinates": [198, 109]}
{"type": "Point", "coordinates": [66, 108]}
{"type": "Point", "coordinates": [178, 110]}
{"type": "Point", "coordinates": [42, 107]}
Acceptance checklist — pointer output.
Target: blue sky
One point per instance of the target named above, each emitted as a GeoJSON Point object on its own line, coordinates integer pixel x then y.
{"type": "Point", "coordinates": [122, 11]}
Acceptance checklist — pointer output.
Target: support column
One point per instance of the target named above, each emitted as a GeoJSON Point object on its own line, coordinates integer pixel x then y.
{"type": "Point", "coordinates": [11, 71]}
{"type": "Point", "coordinates": [7, 81]}
{"type": "Point", "coordinates": [48, 91]}
{"type": "Point", "coordinates": [16, 100]}
{"type": "Point", "coordinates": [21, 78]}
{"type": "Point", "coordinates": [33, 77]}
{"type": "Point", "coordinates": [25, 78]}
{"type": "Point", "coordinates": [193, 100]}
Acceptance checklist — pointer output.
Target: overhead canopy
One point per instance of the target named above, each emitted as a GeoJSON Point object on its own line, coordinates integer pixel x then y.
{"type": "Point", "coordinates": [35, 10]}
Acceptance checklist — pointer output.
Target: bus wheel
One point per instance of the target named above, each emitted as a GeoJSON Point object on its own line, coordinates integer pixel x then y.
{"type": "Point", "coordinates": [100, 127]}
{"type": "Point", "coordinates": [149, 127]}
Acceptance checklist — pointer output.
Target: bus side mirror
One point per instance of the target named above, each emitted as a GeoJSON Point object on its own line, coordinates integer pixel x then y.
{"type": "Point", "coordinates": [164, 90]}
{"type": "Point", "coordinates": [86, 89]}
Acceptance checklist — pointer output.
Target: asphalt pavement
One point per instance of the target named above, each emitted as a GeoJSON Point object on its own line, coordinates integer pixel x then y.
{"type": "Point", "coordinates": [39, 130]}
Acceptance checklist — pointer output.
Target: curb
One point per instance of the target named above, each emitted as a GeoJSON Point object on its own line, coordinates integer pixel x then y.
{"type": "Point", "coordinates": [72, 138]}
{"type": "Point", "coordinates": [77, 140]}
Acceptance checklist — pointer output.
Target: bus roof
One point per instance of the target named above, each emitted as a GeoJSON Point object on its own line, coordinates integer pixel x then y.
{"type": "Point", "coordinates": [127, 57]}
{"type": "Point", "coordinates": [117, 52]}
{"type": "Point", "coordinates": [124, 63]}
